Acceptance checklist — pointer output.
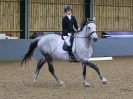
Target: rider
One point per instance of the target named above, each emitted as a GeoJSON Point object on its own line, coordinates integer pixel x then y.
{"type": "Point", "coordinates": [68, 22]}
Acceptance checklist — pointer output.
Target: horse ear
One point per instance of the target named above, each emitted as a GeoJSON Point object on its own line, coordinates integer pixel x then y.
{"type": "Point", "coordinates": [87, 21]}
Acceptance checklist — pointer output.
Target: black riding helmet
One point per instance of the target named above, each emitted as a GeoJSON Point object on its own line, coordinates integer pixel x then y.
{"type": "Point", "coordinates": [67, 8]}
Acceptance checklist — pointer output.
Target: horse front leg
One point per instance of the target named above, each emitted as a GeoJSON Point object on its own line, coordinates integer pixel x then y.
{"type": "Point", "coordinates": [85, 83]}
{"type": "Point", "coordinates": [95, 67]}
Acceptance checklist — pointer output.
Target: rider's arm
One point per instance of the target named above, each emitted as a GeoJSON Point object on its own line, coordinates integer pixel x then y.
{"type": "Point", "coordinates": [63, 24]}
{"type": "Point", "coordinates": [75, 23]}
{"type": "Point", "coordinates": [63, 27]}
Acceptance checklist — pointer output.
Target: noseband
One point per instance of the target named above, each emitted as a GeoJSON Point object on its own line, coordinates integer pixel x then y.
{"type": "Point", "coordinates": [92, 32]}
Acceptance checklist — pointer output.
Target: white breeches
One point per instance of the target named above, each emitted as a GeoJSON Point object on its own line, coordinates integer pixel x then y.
{"type": "Point", "coordinates": [67, 39]}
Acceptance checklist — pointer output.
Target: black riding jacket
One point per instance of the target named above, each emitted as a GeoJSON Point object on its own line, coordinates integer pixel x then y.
{"type": "Point", "coordinates": [67, 25]}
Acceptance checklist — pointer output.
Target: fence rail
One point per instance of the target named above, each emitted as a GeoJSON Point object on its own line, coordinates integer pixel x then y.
{"type": "Point", "coordinates": [47, 15]}
{"type": "Point", "coordinates": [9, 17]}
{"type": "Point", "coordinates": [114, 15]}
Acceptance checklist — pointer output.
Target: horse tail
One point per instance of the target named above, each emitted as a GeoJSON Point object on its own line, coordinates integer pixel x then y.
{"type": "Point", "coordinates": [30, 51]}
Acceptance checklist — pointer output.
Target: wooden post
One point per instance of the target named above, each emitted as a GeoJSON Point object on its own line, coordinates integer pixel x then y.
{"type": "Point", "coordinates": [91, 9]}
{"type": "Point", "coordinates": [24, 19]}
{"type": "Point", "coordinates": [89, 13]}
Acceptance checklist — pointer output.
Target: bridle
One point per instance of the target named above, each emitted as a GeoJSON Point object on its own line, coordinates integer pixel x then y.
{"type": "Point", "coordinates": [92, 32]}
{"type": "Point", "coordinates": [85, 36]}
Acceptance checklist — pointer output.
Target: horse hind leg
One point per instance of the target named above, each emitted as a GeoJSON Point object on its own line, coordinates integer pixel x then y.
{"type": "Point", "coordinates": [104, 80]}
{"type": "Point", "coordinates": [52, 71]}
{"type": "Point", "coordinates": [41, 62]}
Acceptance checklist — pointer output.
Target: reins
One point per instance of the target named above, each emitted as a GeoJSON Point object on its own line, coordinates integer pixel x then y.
{"type": "Point", "coordinates": [85, 36]}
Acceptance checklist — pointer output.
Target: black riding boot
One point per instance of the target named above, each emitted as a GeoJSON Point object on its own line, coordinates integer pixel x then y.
{"type": "Point", "coordinates": [71, 56]}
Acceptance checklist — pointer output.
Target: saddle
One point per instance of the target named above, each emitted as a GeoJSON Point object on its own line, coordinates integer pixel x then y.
{"type": "Point", "coordinates": [68, 48]}
{"type": "Point", "coordinates": [68, 43]}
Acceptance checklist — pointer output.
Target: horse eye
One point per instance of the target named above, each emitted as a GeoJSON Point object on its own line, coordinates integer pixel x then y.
{"type": "Point", "coordinates": [88, 28]}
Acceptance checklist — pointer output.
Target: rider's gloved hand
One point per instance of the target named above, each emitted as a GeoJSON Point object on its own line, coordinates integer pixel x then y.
{"type": "Point", "coordinates": [62, 37]}
{"type": "Point", "coordinates": [69, 34]}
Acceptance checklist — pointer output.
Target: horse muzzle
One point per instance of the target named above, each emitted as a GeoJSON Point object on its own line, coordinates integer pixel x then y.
{"type": "Point", "coordinates": [94, 39]}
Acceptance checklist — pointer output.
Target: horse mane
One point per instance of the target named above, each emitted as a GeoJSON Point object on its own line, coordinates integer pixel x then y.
{"type": "Point", "coordinates": [82, 25]}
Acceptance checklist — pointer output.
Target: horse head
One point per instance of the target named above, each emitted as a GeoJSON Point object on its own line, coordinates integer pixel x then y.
{"type": "Point", "coordinates": [89, 30]}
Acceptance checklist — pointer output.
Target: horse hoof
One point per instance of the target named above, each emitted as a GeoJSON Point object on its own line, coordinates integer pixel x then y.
{"type": "Point", "coordinates": [86, 84]}
{"type": "Point", "coordinates": [60, 83]}
{"type": "Point", "coordinates": [35, 78]}
{"type": "Point", "coordinates": [104, 81]}
{"type": "Point", "coordinates": [34, 81]}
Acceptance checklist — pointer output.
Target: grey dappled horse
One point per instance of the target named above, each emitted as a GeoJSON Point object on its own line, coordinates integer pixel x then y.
{"type": "Point", "coordinates": [51, 48]}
